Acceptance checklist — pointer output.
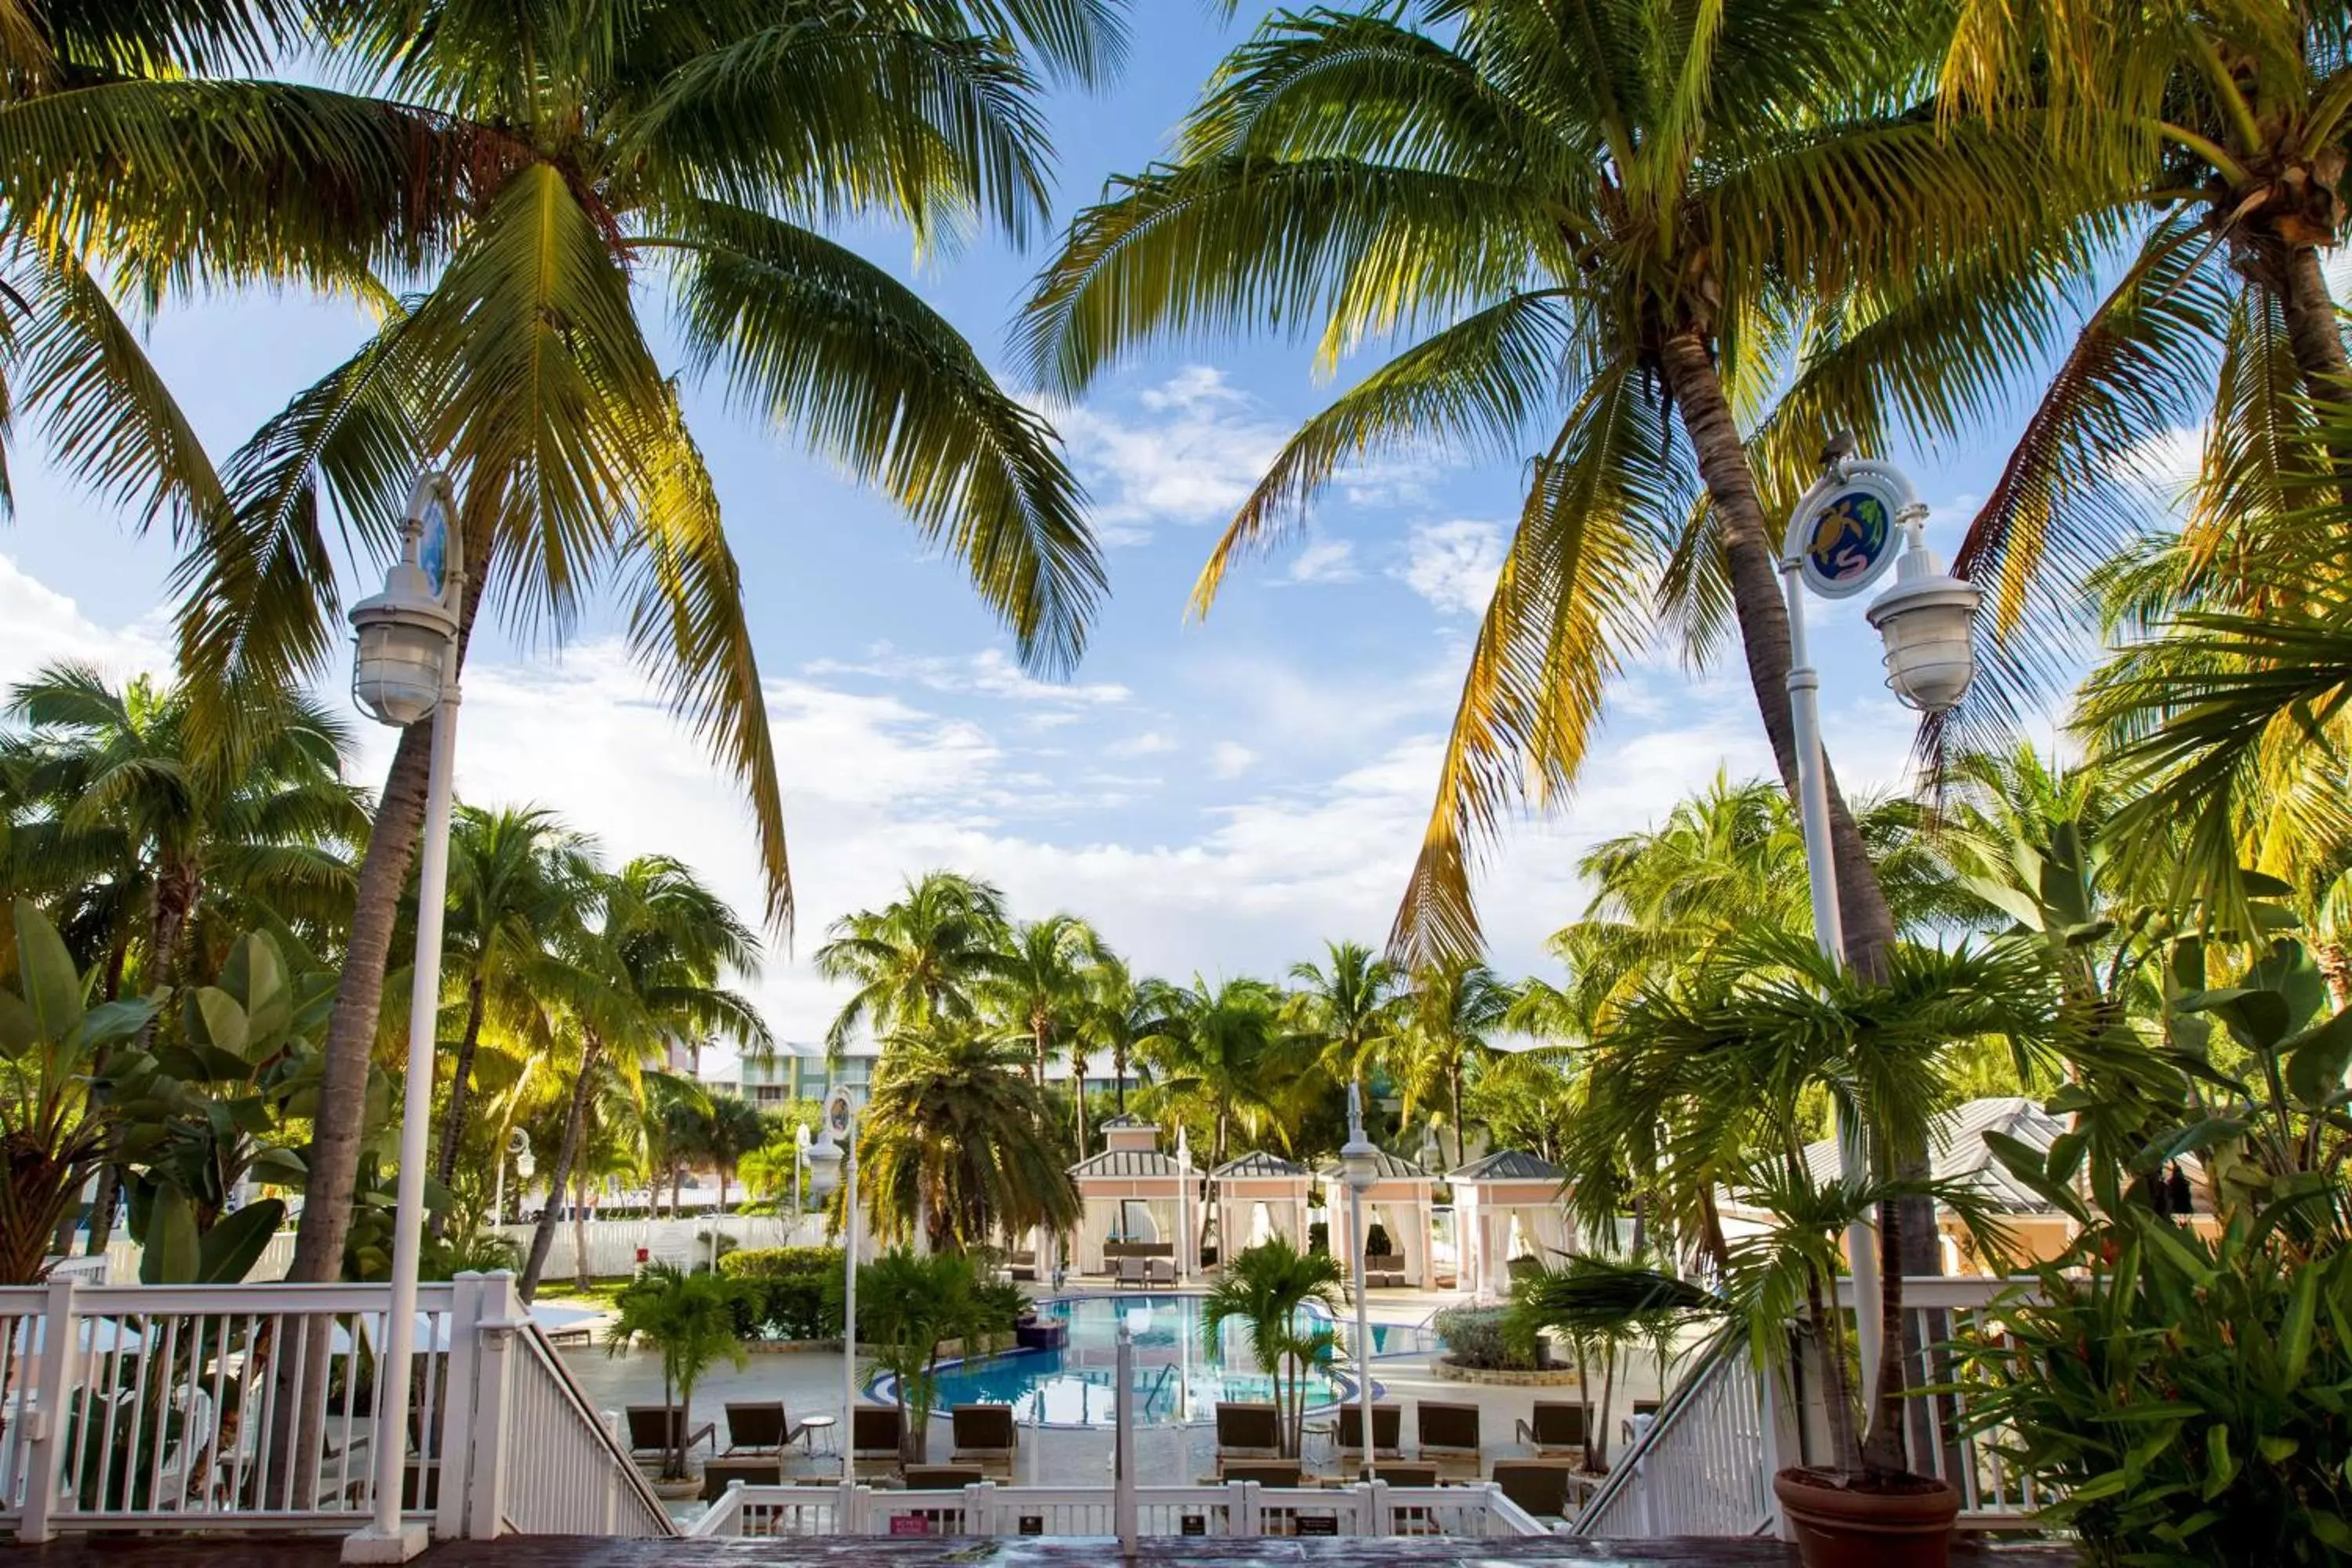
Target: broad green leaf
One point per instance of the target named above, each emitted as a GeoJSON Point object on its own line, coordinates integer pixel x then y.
{"type": "Point", "coordinates": [170, 1255]}
{"type": "Point", "coordinates": [279, 1168]}
{"type": "Point", "coordinates": [2276, 1450]}
{"type": "Point", "coordinates": [2315, 1060]}
{"type": "Point", "coordinates": [2330, 1529]}
{"type": "Point", "coordinates": [111, 1023]}
{"type": "Point", "coordinates": [237, 1242]}
{"type": "Point", "coordinates": [226, 1025]}
{"type": "Point", "coordinates": [2220, 1466]}
{"type": "Point", "coordinates": [2296, 1334]}
{"type": "Point", "coordinates": [45, 971]}
{"type": "Point", "coordinates": [19, 1029]}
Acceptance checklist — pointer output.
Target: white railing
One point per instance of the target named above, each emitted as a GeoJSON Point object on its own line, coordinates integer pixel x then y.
{"type": "Point", "coordinates": [1237, 1509]}
{"type": "Point", "coordinates": [1701, 1468]}
{"type": "Point", "coordinates": [239, 1407]}
{"type": "Point", "coordinates": [1705, 1465]}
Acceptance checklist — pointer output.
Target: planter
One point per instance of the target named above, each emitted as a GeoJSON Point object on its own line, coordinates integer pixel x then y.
{"type": "Point", "coordinates": [685, 1490]}
{"type": "Point", "coordinates": [1452, 1371]}
{"type": "Point", "coordinates": [1837, 1526]}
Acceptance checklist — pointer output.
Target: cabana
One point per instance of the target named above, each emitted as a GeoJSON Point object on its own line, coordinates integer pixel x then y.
{"type": "Point", "coordinates": [1259, 1197]}
{"type": "Point", "coordinates": [1507, 1205]}
{"type": "Point", "coordinates": [1398, 1202]}
{"type": "Point", "coordinates": [1144, 1201]}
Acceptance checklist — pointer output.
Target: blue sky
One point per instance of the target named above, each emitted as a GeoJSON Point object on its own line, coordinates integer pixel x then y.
{"type": "Point", "coordinates": [1218, 796]}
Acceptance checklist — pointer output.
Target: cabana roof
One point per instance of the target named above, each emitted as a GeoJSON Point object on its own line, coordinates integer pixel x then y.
{"type": "Point", "coordinates": [1259, 1165]}
{"type": "Point", "coordinates": [1958, 1152]}
{"type": "Point", "coordinates": [1124, 1119]}
{"type": "Point", "coordinates": [1129, 1163]}
{"type": "Point", "coordinates": [1392, 1168]}
{"type": "Point", "coordinates": [1506, 1165]}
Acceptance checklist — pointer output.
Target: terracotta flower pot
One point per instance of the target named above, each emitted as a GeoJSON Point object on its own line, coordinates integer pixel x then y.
{"type": "Point", "coordinates": [1841, 1526]}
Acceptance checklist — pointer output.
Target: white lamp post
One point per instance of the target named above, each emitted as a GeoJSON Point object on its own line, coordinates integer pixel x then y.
{"type": "Point", "coordinates": [1841, 539]}
{"type": "Point", "coordinates": [800, 1161]}
{"type": "Point", "coordinates": [406, 667]}
{"type": "Point", "coordinates": [1359, 1163]}
{"type": "Point", "coordinates": [832, 1163]}
{"type": "Point", "coordinates": [525, 1169]}
{"type": "Point", "coordinates": [517, 1148]}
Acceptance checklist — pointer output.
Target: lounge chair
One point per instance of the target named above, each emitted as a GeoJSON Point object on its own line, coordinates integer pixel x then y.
{"type": "Point", "coordinates": [652, 1430]}
{"type": "Point", "coordinates": [1388, 1431]}
{"type": "Point", "coordinates": [941, 1477]}
{"type": "Point", "coordinates": [1158, 1271]}
{"type": "Point", "coordinates": [1449, 1433]}
{"type": "Point", "coordinates": [985, 1435]}
{"type": "Point", "coordinates": [1541, 1486]}
{"type": "Point", "coordinates": [1558, 1429]}
{"type": "Point", "coordinates": [1022, 1267]}
{"type": "Point", "coordinates": [1407, 1473]}
{"type": "Point", "coordinates": [877, 1435]}
{"type": "Point", "coordinates": [1383, 1271]}
{"type": "Point", "coordinates": [720, 1471]}
{"type": "Point", "coordinates": [1247, 1431]}
{"type": "Point", "coordinates": [760, 1429]}
{"type": "Point", "coordinates": [1132, 1271]}
{"type": "Point", "coordinates": [1265, 1472]}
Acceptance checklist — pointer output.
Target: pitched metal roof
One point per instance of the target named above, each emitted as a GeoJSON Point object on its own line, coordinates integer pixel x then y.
{"type": "Point", "coordinates": [1124, 1119]}
{"type": "Point", "coordinates": [1392, 1168]}
{"type": "Point", "coordinates": [1132, 1162]}
{"type": "Point", "coordinates": [1957, 1151]}
{"type": "Point", "coordinates": [1506, 1165]}
{"type": "Point", "coordinates": [1260, 1164]}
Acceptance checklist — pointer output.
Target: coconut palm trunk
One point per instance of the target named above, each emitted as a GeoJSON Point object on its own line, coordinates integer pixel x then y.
{"type": "Point", "coordinates": [575, 1122]}
{"type": "Point", "coordinates": [1750, 557]}
{"type": "Point", "coordinates": [334, 1153]}
{"type": "Point", "coordinates": [452, 1120]}
{"type": "Point", "coordinates": [2315, 329]}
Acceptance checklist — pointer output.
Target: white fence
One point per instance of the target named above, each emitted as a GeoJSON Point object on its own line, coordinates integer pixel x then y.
{"type": "Point", "coordinates": [237, 1408]}
{"type": "Point", "coordinates": [614, 1244]}
{"type": "Point", "coordinates": [1235, 1509]}
{"type": "Point", "coordinates": [1705, 1465]}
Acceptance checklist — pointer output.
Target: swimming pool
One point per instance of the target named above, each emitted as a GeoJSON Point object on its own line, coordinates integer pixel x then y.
{"type": "Point", "coordinates": [1176, 1378]}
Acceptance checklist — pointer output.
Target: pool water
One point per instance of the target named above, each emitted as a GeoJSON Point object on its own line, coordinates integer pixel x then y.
{"type": "Point", "coordinates": [1176, 1378]}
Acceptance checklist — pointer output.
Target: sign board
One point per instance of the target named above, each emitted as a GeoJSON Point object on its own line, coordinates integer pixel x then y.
{"type": "Point", "coordinates": [1317, 1524]}
{"type": "Point", "coordinates": [910, 1524]}
{"type": "Point", "coordinates": [1844, 540]}
{"type": "Point", "coordinates": [1032, 1524]}
{"type": "Point", "coordinates": [1192, 1524]}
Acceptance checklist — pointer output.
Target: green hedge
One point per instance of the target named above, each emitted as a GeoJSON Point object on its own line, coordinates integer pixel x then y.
{"type": "Point", "coordinates": [791, 1292]}
{"type": "Point", "coordinates": [1474, 1337]}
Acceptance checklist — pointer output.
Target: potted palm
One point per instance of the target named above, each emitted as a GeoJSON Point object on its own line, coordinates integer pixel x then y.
{"type": "Point", "coordinates": [689, 1320]}
{"type": "Point", "coordinates": [1265, 1291]}
{"type": "Point", "coordinates": [1731, 1063]}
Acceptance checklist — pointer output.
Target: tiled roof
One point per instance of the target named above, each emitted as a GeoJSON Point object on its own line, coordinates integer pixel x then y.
{"type": "Point", "coordinates": [1259, 1163]}
{"type": "Point", "coordinates": [1506, 1165]}
{"type": "Point", "coordinates": [1957, 1151]}
{"type": "Point", "coordinates": [1393, 1167]}
{"type": "Point", "coordinates": [1132, 1162]}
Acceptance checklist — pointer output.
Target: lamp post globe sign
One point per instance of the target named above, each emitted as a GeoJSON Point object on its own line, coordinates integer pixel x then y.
{"type": "Point", "coordinates": [832, 1163]}
{"type": "Point", "coordinates": [404, 670]}
{"type": "Point", "coordinates": [1359, 1166]}
{"type": "Point", "coordinates": [1860, 518]}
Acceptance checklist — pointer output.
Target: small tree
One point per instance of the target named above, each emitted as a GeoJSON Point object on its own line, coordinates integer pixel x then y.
{"type": "Point", "coordinates": [1264, 1290]}
{"type": "Point", "coordinates": [690, 1319]}
{"type": "Point", "coordinates": [908, 1305]}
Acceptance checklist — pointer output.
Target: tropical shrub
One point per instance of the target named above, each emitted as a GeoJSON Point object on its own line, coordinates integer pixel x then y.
{"type": "Point", "coordinates": [786, 1292]}
{"type": "Point", "coordinates": [1267, 1291]}
{"type": "Point", "coordinates": [909, 1305]}
{"type": "Point", "coordinates": [690, 1319]}
{"type": "Point", "coordinates": [1481, 1337]}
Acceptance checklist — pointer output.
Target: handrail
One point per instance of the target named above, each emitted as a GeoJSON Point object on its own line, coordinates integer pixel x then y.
{"type": "Point", "coordinates": [649, 1514]}
{"type": "Point", "coordinates": [1720, 1358]}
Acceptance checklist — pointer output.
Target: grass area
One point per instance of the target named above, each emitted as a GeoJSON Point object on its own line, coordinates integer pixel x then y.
{"type": "Point", "coordinates": [602, 1294]}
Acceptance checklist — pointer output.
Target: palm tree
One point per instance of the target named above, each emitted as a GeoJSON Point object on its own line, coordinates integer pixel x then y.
{"type": "Point", "coordinates": [915, 959]}
{"type": "Point", "coordinates": [111, 786]}
{"type": "Point", "coordinates": [1457, 1009]}
{"type": "Point", "coordinates": [956, 1139]}
{"type": "Point", "coordinates": [1039, 987]}
{"type": "Point", "coordinates": [1266, 1289]}
{"type": "Point", "coordinates": [1118, 1013]}
{"type": "Point", "coordinates": [735, 1128]}
{"type": "Point", "coordinates": [1355, 1007]}
{"type": "Point", "coordinates": [649, 973]}
{"type": "Point", "coordinates": [1616, 223]}
{"type": "Point", "coordinates": [531, 172]}
{"type": "Point", "coordinates": [1727, 860]}
{"type": "Point", "coordinates": [1218, 1052]}
{"type": "Point", "coordinates": [689, 1320]}
{"type": "Point", "coordinates": [515, 885]}
{"type": "Point", "coordinates": [2218, 132]}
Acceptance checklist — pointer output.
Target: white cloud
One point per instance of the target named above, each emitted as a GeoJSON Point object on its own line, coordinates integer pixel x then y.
{"type": "Point", "coordinates": [988, 673]}
{"type": "Point", "coordinates": [39, 626]}
{"type": "Point", "coordinates": [1191, 458]}
{"type": "Point", "coordinates": [1325, 560]}
{"type": "Point", "coordinates": [1453, 565]}
{"type": "Point", "coordinates": [1229, 759]}
{"type": "Point", "coordinates": [1150, 743]}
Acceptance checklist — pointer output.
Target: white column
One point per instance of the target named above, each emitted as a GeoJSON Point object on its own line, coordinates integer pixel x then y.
{"type": "Point", "coordinates": [387, 1539]}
